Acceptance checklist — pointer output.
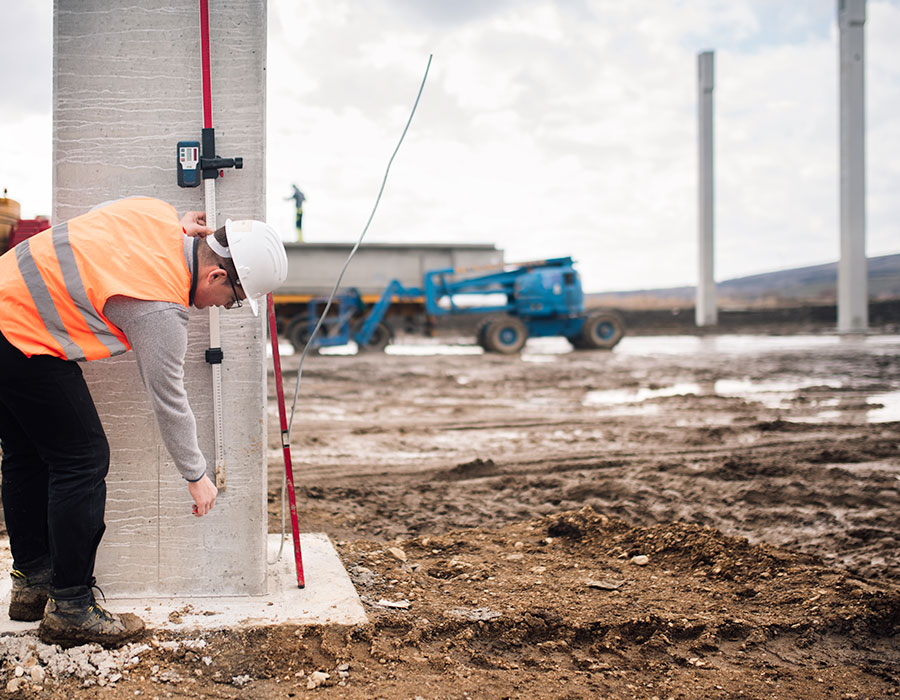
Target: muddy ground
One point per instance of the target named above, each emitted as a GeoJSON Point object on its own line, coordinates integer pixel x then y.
{"type": "Point", "coordinates": [682, 517]}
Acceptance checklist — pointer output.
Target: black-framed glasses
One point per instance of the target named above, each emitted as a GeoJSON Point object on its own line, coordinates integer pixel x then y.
{"type": "Point", "coordinates": [237, 302]}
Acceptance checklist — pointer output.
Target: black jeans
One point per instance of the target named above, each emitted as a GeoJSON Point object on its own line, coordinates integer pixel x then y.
{"type": "Point", "coordinates": [55, 460]}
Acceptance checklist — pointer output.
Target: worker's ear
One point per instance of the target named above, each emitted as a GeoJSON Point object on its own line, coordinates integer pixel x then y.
{"type": "Point", "coordinates": [216, 274]}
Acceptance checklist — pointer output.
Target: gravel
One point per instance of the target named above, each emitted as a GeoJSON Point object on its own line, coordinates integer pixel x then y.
{"type": "Point", "coordinates": [26, 661]}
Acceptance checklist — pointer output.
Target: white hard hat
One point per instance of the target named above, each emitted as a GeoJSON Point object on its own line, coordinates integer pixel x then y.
{"type": "Point", "coordinates": [259, 258]}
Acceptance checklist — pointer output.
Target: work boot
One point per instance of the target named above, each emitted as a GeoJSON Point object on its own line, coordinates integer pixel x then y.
{"type": "Point", "coordinates": [28, 595]}
{"type": "Point", "coordinates": [79, 619]}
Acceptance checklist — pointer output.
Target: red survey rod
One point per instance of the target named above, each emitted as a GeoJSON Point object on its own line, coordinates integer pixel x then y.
{"type": "Point", "coordinates": [285, 441]}
{"type": "Point", "coordinates": [204, 53]}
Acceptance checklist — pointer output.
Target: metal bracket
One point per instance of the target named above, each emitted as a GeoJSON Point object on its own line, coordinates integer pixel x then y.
{"type": "Point", "coordinates": [211, 165]}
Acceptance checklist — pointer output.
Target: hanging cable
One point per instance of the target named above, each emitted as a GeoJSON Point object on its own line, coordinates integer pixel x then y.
{"type": "Point", "coordinates": [340, 277]}
{"type": "Point", "coordinates": [337, 286]}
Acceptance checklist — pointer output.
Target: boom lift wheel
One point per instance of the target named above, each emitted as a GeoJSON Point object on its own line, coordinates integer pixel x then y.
{"type": "Point", "coordinates": [381, 338]}
{"type": "Point", "coordinates": [479, 334]}
{"type": "Point", "coordinates": [601, 331]}
{"type": "Point", "coordinates": [505, 335]}
{"type": "Point", "coordinates": [297, 332]}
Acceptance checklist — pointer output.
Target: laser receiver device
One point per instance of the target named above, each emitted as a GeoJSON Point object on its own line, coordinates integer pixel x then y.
{"type": "Point", "coordinates": [189, 163]}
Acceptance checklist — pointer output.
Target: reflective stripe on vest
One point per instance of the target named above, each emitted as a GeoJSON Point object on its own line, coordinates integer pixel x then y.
{"type": "Point", "coordinates": [75, 287]}
{"type": "Point", "coordinates": [55, 285]}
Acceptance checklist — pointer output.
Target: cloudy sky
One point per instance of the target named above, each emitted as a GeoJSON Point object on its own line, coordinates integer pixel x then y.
{"type": "Point", "coordinates": [547, 128]}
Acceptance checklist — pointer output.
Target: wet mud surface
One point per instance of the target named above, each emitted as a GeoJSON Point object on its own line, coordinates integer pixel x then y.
{"type": "Point", "coordinates": [777, 440]}
{"type": "Point", "coordinates": [682, 517]}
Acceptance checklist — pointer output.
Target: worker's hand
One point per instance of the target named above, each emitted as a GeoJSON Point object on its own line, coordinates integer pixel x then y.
{"type": "Point", "coordinates": [204, 494]}
{"type": "Point", "coordinates": [194, 224]}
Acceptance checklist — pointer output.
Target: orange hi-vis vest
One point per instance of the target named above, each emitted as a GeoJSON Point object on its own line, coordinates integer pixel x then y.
{"type": "Point", "coordinates": [54, 285]}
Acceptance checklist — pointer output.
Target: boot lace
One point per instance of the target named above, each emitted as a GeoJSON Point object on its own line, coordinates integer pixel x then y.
{"type": "Point", "coordinates": [95, 607]}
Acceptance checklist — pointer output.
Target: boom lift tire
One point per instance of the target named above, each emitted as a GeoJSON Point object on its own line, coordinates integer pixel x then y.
{"type": "Point", "coordinates": [506, 335]}
{"type": "Point", "coordinates": [601, 331]}
{"type": "Point", "coordinates": [381, 337]}
{"type": "Point", "coordinates": [479, 334]}
{"type": "Point", "coordinates": [297, 332]}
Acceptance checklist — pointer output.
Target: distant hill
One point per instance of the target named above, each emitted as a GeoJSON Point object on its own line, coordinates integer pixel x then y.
{"type": "Point", "coordinates": [814, 284]}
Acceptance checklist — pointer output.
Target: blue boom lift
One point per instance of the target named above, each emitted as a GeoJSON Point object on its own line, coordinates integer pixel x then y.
{"type": "Point", "coordinates": [532, 299]}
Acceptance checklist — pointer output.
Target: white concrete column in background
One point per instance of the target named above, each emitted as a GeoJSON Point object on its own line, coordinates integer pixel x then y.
{"type": "Point", "coordinates": [706, 311]}
{"type": "Point", "coordinates": [126, 88]}
{"type": "Point", "coordinates": [853, 302]}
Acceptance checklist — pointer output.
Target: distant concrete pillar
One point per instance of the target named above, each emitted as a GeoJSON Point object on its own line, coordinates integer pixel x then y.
{"type": "Point", "coordinates": [853, 302]}
{"type": "Point", "coordinates": [706, 311]}
{"type": "Point", "coordinates": [126, 88]}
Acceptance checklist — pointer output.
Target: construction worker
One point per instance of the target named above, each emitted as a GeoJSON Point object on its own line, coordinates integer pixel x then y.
{"type": "Point", "coordinates": [298, 198]}
{"type": "Point", "coordinates": [119, 277]}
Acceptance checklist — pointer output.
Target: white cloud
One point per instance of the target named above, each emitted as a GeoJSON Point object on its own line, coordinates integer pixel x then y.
{"type": "Point", "coordinates": [25, 120]}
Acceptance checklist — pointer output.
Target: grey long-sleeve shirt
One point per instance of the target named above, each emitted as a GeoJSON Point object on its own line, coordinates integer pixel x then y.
{"type": "Point", "coordinates": [157, 331]}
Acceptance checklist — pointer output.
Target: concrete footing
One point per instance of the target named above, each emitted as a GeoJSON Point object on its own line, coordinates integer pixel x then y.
{"type": "Point", "coordinates": [328, 598]}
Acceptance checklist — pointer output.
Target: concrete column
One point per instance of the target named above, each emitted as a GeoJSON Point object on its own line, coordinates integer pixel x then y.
{"type": "Point", "coordinates": [126, 88]}
{"type": "Point", "coordinates": [853, 308]}
{"type": "Point", "coordinates": [706, 311]}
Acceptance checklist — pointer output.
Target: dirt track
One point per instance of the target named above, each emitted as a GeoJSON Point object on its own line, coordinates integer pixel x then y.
{"type": "Point", "coordinates": [681, 518]}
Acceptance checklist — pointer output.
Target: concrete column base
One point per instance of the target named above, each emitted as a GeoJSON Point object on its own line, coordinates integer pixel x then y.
{"type": "Point", "coordinates": [329, 597]}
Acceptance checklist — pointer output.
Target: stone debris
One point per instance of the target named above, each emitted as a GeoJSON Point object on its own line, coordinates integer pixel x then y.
{"type": "Point", "coordinates": [640, 560]}
{"type": "Point", "coordinates": [397, 553]}
{"type": "Point", "coordinates": [362, 577]}
{"type": "Point", "coordinates": [398, 604]}
{"type": "Point", "coordinates": [606, 584]}
{"type": "Point", "coordinates": [27, 661]}
{"type": "Point", "coordinates": [170, 675]}
{"type": "Point", "coordinates": [316, 679]}
{"type": "Point", "coordinates": [240, 681]}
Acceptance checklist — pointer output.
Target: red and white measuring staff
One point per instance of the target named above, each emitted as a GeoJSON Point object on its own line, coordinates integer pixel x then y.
{"type": "Point", "coordinates": [209, 192]}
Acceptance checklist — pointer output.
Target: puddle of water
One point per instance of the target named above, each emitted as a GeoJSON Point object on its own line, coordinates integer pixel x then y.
{"type": "Point", "coordinates": [751, 344]}
{"type": "Point", "coordinates": [772, 394]}
{"type": "Point", "coordinates": [889, 409]}
{"type": "Point", "coordinates": [625, 396]}
{"type": "Point", "coordinates": [545, 349]}
{"type": "Point", "coordinates": [286, 349]}
{"type": "Point", "coordinates": [433, 350]}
